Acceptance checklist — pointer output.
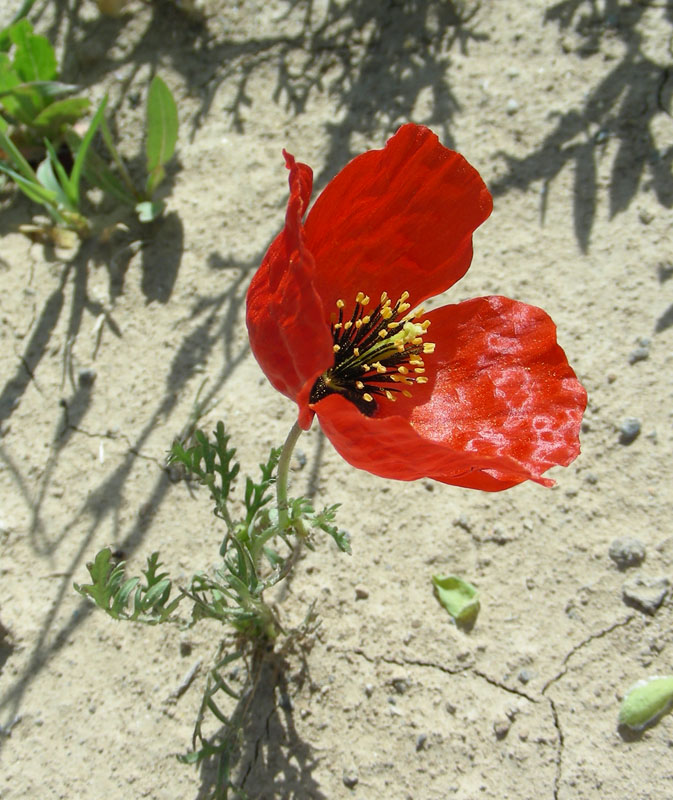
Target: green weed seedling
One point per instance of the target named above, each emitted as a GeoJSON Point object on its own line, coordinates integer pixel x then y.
{"type": "Point", "coordinates": [161, 138]}
{"type": "Point", "coordinates": [258, 551]}
{"type": "Point", "coordinates": [34, 104]}
{"type": "Point", "coordinates": [51, 185]}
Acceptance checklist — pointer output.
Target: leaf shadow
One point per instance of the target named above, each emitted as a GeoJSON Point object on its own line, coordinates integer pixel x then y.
{"type": "Point", "coordinates": [272, 759]}
{"type": "Point", "coordinates": [623, 106]}
{"type": "Point", "coordinates": [215, 319]}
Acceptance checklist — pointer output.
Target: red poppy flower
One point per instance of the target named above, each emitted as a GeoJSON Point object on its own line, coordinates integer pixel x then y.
{"type": "Point", "coordinates": [489, 402]}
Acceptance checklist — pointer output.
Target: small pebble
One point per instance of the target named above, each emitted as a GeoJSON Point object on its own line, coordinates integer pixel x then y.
{"type": "Point", "coordinates": [350, 777]}
{"type": "Point", "coordinates": [420, 742]}
{"type": "Point", "coordinates": [645, 593]}
{"type": "Point", "coordinates": [526, 675]}
{"type": "Point", "coordinates": [629, 430]}
{"type": "Point", "coordinates": [185, 648]}
{"type": "Point", "coordinates": [627, 552]}
{"type": "Point", "coordinates": [512, 106]}
{"type": "Point", "coordinates": [369, 689]}
{"type": "Point", "coordinates": [499, 535]}
{"type": "Point", "coordinates": [361, 593]}
{"type": "Point", "coordinates": [86, 378]}
{"type": "Point", "coordinates": [501, 727]}
{"type": "Point", "coordinates": [463, 522]}
{"type": "Point", "coordinates": [641, 352]}
{"type": "Point", "coordinates": [401, 685]}
{"type": "Point", "coordinates": [298, 461]}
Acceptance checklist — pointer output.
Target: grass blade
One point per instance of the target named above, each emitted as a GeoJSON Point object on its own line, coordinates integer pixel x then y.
{"type": "Point", "coordinates": [80, 158]}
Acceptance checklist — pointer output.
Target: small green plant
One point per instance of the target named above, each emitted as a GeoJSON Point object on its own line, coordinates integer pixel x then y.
{"type": "Point", "coordinates": [161, 138]}
{"type": "Point", "coordinates": [51, 185]}
{"type": "Point", "coordinates": [257, 552]}
{"type": "Point", "coordinates": [37, 121]}
{"type": "Point", "coordinates": [33, 101]}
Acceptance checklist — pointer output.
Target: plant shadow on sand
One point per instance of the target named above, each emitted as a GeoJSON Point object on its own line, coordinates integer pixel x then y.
{"type": "Point", "coordinates": [623, 106]}
{"type": "Point", "coordinates": [271, 759]}
{"type": "Point", "coordinates": [380, 60]}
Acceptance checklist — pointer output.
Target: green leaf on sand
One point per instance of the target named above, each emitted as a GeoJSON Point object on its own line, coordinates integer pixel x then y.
{"type": "Point", "coordinates": [459, 598]}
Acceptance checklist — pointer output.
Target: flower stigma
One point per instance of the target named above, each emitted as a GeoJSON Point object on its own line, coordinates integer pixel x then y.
{"type": "Point", "coordinates": [377, 354]}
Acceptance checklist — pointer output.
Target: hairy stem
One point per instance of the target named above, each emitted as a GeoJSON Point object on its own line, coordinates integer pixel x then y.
{"type": "Point", "coordinates": [282, 475]}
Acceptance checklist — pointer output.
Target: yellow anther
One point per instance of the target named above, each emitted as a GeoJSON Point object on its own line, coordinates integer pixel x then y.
{"type": "Point", "coordinates": [392, 336]}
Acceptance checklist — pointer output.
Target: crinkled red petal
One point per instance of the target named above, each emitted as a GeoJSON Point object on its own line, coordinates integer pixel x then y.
{"type": "Point", "coordinates": [285, 317]}
{"type": "Point", "coordinates": [397, 219]}
{"type": "Point", "coordinates": [502, 405]}
{"type": "Point", "coordinates": [503, 385]}
{"type": "Point", "coordinates": [392, 448]}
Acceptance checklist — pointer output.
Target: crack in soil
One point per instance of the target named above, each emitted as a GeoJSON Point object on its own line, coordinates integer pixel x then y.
{"type": "Point", "coordinates": [552, 705]}
{"type": "Point", "coordinates": [417, 662]}
{"type": "Point", "coordinates": [576, 649]}
{"type": "Point", "coordinates": [113, 437]}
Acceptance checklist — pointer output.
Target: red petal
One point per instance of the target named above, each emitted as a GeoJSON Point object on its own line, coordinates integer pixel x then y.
{"type": "Point", "coordinates": [502, 405]}
{"type": "Point", "coordinates": [397, 219]}
{"type": "Point", "coordinates": [391, 448]}
{"type": "Point", "coordinates": [285, 318]}
{"type": "Point", "coordinates": [503, 386]}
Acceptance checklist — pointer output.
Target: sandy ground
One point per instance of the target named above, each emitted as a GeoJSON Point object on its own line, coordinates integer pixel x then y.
{"type": "Point", "coordinates": [565, 109]}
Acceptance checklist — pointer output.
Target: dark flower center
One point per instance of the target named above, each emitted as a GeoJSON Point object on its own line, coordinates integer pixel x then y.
{"type": "Point", "coordinates": [377, 354]}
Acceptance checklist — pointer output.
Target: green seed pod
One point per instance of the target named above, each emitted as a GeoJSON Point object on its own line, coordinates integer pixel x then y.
{"type": "Point", "coordinates": [646, 701]}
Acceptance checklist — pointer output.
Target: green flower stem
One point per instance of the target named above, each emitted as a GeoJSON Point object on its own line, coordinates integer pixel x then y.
{"type": "Point", "coordinates": [281, 480]}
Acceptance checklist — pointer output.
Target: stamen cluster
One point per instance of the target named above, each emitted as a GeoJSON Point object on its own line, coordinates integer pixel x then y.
{"type": "Point", "coordinates": [377, 354]}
